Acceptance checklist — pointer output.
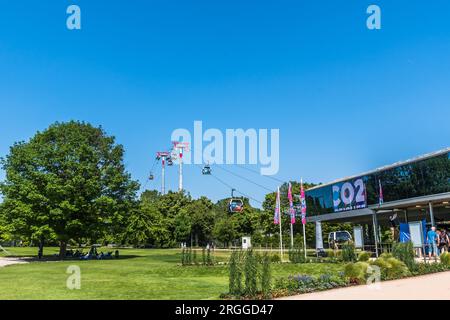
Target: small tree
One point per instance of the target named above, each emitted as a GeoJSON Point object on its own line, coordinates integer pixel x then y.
{"type": "Point", "coordinates": [349, 253]}
{"type": "Point", "coordinates": [195, 257]}
{"type": "Point", "coordinates": [209, 258]}
{"type": "Point", "coordinates": [182, 256]}
{"type": "Point", "coordinates": [233, 266]}
{"type": "Point", "coordinates": [251, 273]}
{"type": "Point", "coordinates": [204, 256]}
{"type": "Point", "coordinates": [266, 276]}
{"type": "Point", "coordinates": [405, 252]}
{"type": "Point", "coordinates": [190, 256]}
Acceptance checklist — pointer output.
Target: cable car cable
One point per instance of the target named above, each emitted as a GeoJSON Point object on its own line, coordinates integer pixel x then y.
{"type": "Point", "coordinates": [258, 173]}
{"type": "Point", "coordinates": [231, 187]}
{"type": "Point", "coordinates": [248, 180]}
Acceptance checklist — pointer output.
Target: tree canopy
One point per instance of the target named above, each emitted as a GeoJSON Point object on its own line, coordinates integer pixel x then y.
{"type": "Point", "coordinates": [67, 182]}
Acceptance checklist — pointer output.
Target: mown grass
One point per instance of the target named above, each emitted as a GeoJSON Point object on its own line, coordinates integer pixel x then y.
{"type": "Point", "coordinates": [138, 274]}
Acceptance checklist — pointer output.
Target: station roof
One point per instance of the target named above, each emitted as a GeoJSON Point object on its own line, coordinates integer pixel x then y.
{"type": "Point", "coordinates": [380, 169]}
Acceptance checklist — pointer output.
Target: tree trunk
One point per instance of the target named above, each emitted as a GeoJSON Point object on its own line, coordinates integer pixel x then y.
{"type": "Point", "coordinates": [62, 249]}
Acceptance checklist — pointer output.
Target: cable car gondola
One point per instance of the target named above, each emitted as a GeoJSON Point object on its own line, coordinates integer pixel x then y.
{"type": "Point", "coordinates": [169, 161]}
{"type": "Point", "coordinates": [152, 177]}
{"type": "Point", "coordinates": [236, 204]}
{"type": "Point", "coordinates": [206, 170]}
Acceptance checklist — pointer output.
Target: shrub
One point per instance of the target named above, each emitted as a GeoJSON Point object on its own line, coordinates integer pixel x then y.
{"type": "Point", "coordinates": [251, 273]}
{"type": "Point", "coordinates": [306, 283]}
{"type": "Point", "coordinates": [195, 257]}
{"type": "Point", "coordinates": [330, 253]}
{"type": "Point", "coordinates": [266, 276]}
{"type": "Point", "coordinates": [398, 269]}
{"type": "Point", "coordinates": [445, 259]}
{"type": "Point", "coordinates": [364, 256]}
{"type": "Point", "coordinates": [204, 256]}
{"type": "Point", "coordinates": [297, 255]}
{"type": "Point", "coordinates": [209, 258]}
{"type": "Point", "coordinates": [390, 267]}
{"type": "Point", "coordinates": [188, 256]}
{"type": "Point", "coordinates": [356, 272]}
{"type": "Point", "coordinates": [405, 252]}
{"type": "Point", "coordinates": [386, 255]}
{"type": "Point", "coordinates": [426, 268]}
{"type": "Point", "coordinates": [348, 252]}
{"type": "Point", "coordinates": [235, 274]}
{"type": "Point", "coordinates": [275, 258]}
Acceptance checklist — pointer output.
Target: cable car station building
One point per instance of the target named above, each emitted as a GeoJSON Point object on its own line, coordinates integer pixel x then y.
{"type": "Point", "coordinates": [412, 190]}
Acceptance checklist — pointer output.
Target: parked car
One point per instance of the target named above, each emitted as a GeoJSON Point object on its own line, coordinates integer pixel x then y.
{"type": "Point", "coordinates": [338, 237]}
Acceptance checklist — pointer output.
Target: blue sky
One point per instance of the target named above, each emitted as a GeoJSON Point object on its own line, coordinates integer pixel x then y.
{"type": "Point", "coordinates": [346, 99]}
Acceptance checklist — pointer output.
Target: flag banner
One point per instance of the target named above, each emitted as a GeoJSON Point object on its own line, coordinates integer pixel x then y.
{"type": "Point", "coordinates": [291, 204]}
{"type": "Point", "coordinates": [381, 198]}
{"type": "Point", "coordinates": [303, 203]}
{"type": "Point", "coordinates": [276, 217]}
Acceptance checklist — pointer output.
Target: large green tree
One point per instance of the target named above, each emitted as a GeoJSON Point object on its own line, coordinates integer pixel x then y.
{"type": "Point", "coordinates": [68, 181]}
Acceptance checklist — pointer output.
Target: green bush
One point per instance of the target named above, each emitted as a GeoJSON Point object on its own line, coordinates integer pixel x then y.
{"type": "Point", "coordinates": [275, 258]}
{"type": "Point", "coordinates": [356, 272]}
{"type": "Point", "coordinates": [306, 283]}
{"type": "Point", "coordinates": [195, 257]}
{"type": "Point", "coordinates": [209, 257]}
{"type": "Point", "coordinates": [188, 256]}
{"type": "Point", "coordinates": [391, 268]}
{"type": "Point", "coordinates": [204, 256]}
{"type": "Point", "coordinates": [266, 276]}
{"type": "Point", "coordinates": [297, 255]}
{"type": "Point", "coordinates": [235, 273]}
{"type": "Point", "coordinates": [405, 252]}
{"type": "Point", "coordinates": [445, 259]}
{"type": "Point", "coordinates": [426, 268]}
{"type": "Point", "coordinates": [386, 255]}
{"type": "Point", "coordinates": [330, 253]}
{"type": "Point", "coordinates": [348, 252]}
{"type": "Point", "coordinates": [364, 256]}
{"type": "Point", "coordinates": [398, 269]}
{"type": "Point", "coordinates": [251, 274]}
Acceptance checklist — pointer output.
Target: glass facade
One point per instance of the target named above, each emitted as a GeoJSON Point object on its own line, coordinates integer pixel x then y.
{"type": "Point", "coordinates": [419, 178]}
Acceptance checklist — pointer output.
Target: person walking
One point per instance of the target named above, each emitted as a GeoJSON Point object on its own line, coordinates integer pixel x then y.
{"type": "Point", "coordinates": [432, 239]}
{"type": "Point", "coordinates": [443, 242]}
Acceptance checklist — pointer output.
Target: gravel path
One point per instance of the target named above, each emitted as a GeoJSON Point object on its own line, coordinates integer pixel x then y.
{"type": "Point", "coordinates": [9, 261]}
{"type": "Point", "coordinates": [429, 287]}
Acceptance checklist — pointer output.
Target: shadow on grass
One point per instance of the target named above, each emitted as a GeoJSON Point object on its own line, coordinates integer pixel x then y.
{"type": "Point", "coordinates": [48, 258]}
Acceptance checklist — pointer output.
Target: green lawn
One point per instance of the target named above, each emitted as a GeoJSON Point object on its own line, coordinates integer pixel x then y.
{"type": "Point", "coordinates": [138, 274]}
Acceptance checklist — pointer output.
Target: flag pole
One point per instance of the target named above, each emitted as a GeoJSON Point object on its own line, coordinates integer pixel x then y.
{"type": "Point", "coordinates": [303, 216]}
{"type": "Point", "coordinates": [281, 241]}
{"type": "Point", "coordinates": [291, 213]}
{"type": "Point", "coordinates": [277, 219]}
{"type": "Point", "coordinates": [292, 236]}
{"type": "Point", "coordinates": [304, 239]}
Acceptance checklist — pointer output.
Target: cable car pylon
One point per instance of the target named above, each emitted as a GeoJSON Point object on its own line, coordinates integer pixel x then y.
{"type": "Point", "coordinates": [163, 156]}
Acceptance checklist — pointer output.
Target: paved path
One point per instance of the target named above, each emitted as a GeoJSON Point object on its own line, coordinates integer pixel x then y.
{"type": "Point", "coordinates": [429, 287]}
{"type": "Point", "coordinates": [9, 261]}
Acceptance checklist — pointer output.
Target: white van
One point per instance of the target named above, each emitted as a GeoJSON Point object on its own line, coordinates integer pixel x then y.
{"type": "Point", "coordinates": [339, 237]}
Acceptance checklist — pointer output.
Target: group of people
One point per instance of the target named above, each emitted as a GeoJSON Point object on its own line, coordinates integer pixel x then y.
{"type": "Point", "coordinates": [438, 241]}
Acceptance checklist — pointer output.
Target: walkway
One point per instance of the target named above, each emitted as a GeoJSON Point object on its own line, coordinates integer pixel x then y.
{"type": "Point", "coordinates": [429, 287]}
{"type": "Point", "coordinates": [9, 261]}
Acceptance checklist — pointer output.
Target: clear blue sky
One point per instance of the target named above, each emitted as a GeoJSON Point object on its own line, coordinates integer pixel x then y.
{"type": "Point", "coordinates": [345, 98]}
